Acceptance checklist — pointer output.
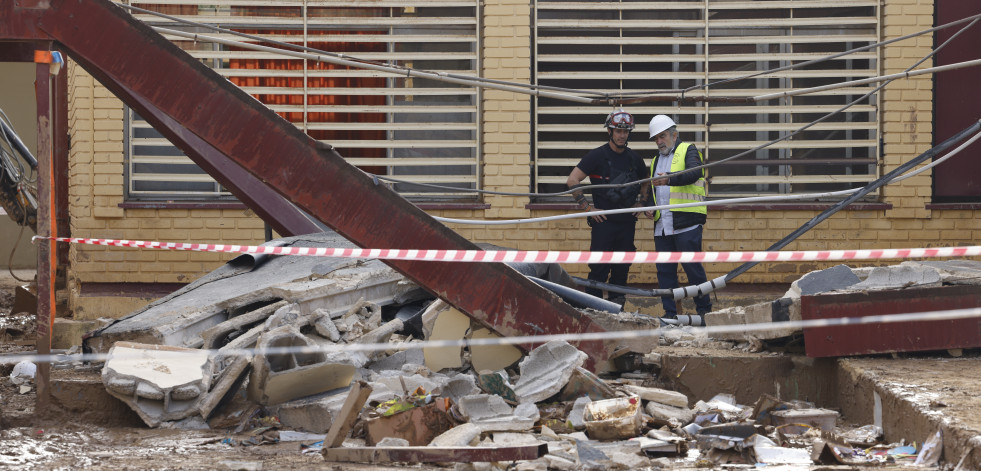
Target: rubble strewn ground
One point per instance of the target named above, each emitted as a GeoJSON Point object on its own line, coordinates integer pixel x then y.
{"type": "Point", "coordinates": [690, 383]}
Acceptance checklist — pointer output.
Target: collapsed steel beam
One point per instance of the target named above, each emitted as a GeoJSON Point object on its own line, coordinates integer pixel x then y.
{"type": "Point", "coordinates": [132, 60]}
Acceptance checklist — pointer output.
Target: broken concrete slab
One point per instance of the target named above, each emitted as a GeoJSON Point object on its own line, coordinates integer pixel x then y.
{"type": "Point", "coordinates": [466, 434]}
{"type": "Point", "coordinates": [250, 282]}
{"type": "Point", "coordinates": [899, 276]}
{"type": "Point", "coordinates": [823, 281]}
{"type": "Point", "coordinates": [161, 383]}
{"type": "Point", "coordinates": [953, 272]}
{"type": "Point", "coordinates": [546, 370]}
{"type": "Point", "coordinates": [662, 396]}
{"type": "Point", "coordinates": [780, 310]}
{"type": "Point", "coordinates": [282, 376]}
{"type": "Point", "coordinates": [316, 414]}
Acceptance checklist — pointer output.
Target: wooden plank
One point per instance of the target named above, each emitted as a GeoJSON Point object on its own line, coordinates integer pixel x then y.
{"type": "Point", "coordinates": [342, 424]}
{"type": "Point", "coordinates": [433, 454]}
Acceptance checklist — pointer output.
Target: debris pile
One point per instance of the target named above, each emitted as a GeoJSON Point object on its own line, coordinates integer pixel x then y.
{"type": "Point", "coordinates": [336, 354]}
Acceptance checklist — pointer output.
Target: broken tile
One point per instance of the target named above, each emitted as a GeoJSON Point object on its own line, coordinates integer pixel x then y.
{"type": "Point", "coordinates": [492, 357]}
{"type": "Point", "coordinates": [451, 324]}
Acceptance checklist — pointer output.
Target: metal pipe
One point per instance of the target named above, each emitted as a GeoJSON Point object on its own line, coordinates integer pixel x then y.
{"type": "Point", "coordinates": [17, 144]}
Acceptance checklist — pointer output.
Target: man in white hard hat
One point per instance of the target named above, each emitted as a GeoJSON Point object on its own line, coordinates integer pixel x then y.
{"type": "Point", "coordinates": [678, 229]}
{"type": "Point", "coordinates": [613, 162]}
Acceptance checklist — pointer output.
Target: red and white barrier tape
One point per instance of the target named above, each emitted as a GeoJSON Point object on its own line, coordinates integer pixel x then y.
{"type": "Point", "coordinates": [522, 256]}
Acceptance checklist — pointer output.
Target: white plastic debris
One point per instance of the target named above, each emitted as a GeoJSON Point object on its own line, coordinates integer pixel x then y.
{"type": "Point", "coordinates": [23, 372]}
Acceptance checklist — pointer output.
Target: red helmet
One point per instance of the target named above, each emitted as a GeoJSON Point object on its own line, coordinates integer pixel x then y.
{"type": "Point", "coordinates": [620, 120]}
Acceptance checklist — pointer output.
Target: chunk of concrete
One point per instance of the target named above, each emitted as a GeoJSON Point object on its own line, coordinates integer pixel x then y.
{"type": "Point", "coordinates": [282, 376]}
{"type": "Point", "coordinates": [250, 282]}
{"type": "Point", "coordinates": [953, 272]}
{"type": "Point", "coordinates": [772, 312]}
{"type": "Point", "coordinates": [159, 382]}
{"type": "Point", "coordinates": [663, 396]}
{"type": "Point", "coordinates": [823, 281]}
{"type": "Point", "coordinates": [316, 414]}
{"type": "Point", "coordinates": [462, 435]}
{"type": "Point", "coordinates": [397, 359]}
{"type": "Point", "coordinates": [484, 406]}
{"type": "Point", "coordinates": [673, 416]}
{"type": "Point", "coordinates": [546, 370]}
{"type": "Point", "coordinates": [899, 276]}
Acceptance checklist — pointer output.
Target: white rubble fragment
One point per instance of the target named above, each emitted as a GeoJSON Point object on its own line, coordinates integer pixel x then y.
{"type": "Point", "coordinates": [462, 435]}
{"type": "Point", "coordinates": [575, 418]}
{"type": "Point", "coordinates": [392, 441]}
{"type": "Point", "coordinates": [325, 326]}
{"type": "Point", "coordinates": [480, 407]}
{"type": "Point", "coordinates": [546, 370]}
{"type": "Point", "coordinates": [675, 416]}
{"type": "Point", "coordinates": [663, 396]}
{"type": "Point", "coordinates": [527, 410]}
{"type": "Point", "coordinates": [23, 372]}
{"type": "Point", "coordinates": [514, 439]}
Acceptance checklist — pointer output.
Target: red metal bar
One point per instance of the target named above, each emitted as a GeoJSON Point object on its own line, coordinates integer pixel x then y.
{"type": "Point", "coordinates": [865, 339]}
{"type": "Point", "coordinates": [102, 39]}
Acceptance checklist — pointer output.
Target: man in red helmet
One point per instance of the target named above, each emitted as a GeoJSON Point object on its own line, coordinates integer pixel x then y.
{"type": "Point", "coordinates": [612, 162]}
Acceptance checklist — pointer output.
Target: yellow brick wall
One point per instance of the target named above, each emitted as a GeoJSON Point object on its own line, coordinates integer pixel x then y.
{"type": "Point", "coordinates": [97, 185]}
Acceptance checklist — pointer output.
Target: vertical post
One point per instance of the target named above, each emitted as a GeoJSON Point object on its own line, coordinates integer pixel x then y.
{"type": "Point", "coordinates": [47, 262]}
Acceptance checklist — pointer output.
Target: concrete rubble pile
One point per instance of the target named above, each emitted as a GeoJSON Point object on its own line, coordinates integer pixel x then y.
{"type": "Point", "coordinates": [290, 347]}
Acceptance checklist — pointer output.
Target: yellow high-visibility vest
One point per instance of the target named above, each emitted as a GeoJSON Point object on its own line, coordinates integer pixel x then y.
{"type": "Point", "coordinates": [694, 193]}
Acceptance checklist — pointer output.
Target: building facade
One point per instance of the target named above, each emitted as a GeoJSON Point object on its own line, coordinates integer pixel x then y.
{"type": "Point", "coordinates": [127, 182]}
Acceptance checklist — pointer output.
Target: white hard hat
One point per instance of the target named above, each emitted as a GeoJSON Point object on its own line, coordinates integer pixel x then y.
{"type": "Point", "coordinates": [659, 124]}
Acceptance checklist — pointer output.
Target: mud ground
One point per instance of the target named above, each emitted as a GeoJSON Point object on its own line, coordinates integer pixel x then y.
{"type": "Point", "coordinates": [936, 384]}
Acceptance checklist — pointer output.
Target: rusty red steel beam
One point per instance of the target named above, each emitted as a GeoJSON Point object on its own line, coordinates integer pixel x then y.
{"type": "Point", "coordinates": [911, 336]}
{"type": "Point", "coordinates": [131, 59]}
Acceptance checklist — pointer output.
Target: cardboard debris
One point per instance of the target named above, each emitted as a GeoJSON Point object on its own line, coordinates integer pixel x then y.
{"type": "Point", "coordinates": [419, 425]}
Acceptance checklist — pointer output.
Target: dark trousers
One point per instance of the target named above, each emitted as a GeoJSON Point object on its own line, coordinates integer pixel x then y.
{"type": "Point", "coordinates": [610, 236]}
{"type": "Point", "coordinates": [667, 273]}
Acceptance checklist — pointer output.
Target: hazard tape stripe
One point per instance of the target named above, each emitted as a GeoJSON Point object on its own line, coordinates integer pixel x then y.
{"type": "Point", "coordinates": [534, 256]}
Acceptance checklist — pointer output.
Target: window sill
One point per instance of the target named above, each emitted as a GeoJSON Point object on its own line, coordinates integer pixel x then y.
{"type": "Point", "coordinates": [183, 205]}
{"type": "Point", "coordinates": [942, 206]}
{"type": "Point", "coordinates": [801, 207]}
{"type": "Point", "coordinates": [746, 207]}
{"type": "Point", "coordinates": [435, 206]}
